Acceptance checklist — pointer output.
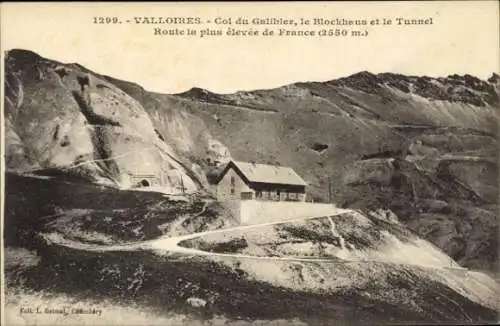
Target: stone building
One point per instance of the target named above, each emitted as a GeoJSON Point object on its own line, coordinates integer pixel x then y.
{"type": "Point", "coordinates": [245, 181]}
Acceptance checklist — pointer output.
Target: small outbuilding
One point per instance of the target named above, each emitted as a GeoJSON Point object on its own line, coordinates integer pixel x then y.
{"type": "Point", "coordinates": [246, 181]}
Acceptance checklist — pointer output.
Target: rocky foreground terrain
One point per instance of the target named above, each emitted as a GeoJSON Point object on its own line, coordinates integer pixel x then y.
{"type": "Point", "coordinates": [420, 151]}
{"type": "Point", "coordinates": [94, 247]}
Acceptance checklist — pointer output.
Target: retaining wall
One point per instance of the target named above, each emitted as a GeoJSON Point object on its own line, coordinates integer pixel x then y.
{"type": "Point", "coordinates": [258, 212]}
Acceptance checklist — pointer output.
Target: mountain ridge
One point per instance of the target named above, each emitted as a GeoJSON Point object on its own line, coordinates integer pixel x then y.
{"type": "Point", "coordinates": [493, 79]}
{"type": "Point", "coordinates": [362, 75]}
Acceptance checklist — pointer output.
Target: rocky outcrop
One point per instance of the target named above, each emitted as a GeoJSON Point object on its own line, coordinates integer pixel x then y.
{"type": "Point", "coordinates": [449, 199]}
{"type": "Point", "coordinates": [63, 118]}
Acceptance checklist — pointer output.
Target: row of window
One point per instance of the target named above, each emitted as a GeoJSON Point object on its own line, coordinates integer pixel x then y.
{"type": "Point", "coordinates": [272, 195]}
{"type": "Point", "coordinates": [277, 195]}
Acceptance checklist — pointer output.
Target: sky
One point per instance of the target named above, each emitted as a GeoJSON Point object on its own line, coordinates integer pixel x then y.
{"type": "Point", "coordinates": [463, 39]}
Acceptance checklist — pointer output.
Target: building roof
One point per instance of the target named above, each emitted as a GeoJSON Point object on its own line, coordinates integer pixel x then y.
{"type": "Point", "coordinates": [264, 173]}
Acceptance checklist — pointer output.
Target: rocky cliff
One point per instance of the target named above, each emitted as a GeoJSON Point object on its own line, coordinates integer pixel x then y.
{"type": "Point", "coordinates": [424, 148]}
{"type": "Point", "coordinates": [62, 119]}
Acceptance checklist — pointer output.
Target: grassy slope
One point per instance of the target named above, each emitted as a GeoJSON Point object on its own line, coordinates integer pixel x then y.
{"type": "Point", "coordinates": [98, 213]}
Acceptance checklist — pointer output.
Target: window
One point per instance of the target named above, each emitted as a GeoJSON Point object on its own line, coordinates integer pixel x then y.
{"type": "Point", "coordinates": [233, 182]}
{"type": "Point", "coordinates": [246, 195]}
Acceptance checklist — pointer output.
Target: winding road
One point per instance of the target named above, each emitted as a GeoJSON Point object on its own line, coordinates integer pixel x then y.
{"type": "Point", "coordinates": [168, 245]}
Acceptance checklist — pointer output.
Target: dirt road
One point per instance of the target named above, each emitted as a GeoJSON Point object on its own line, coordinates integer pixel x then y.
{"type": "Point", "coordinates": [169, 245]}
{"type": "Point", "coordinates": [165, 246]}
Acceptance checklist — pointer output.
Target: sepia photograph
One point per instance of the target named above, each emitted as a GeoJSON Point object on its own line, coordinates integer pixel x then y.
{"type": "Point", "coordinates": [239, 163]}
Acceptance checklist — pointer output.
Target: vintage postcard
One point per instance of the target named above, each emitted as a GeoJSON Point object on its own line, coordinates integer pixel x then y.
{"type": "Point", "coordinates": [239, 163]}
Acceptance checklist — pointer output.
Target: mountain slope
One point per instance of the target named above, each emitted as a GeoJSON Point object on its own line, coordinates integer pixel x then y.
{"type": "Point", "coordinates": [344, 136]}
{"type": "Point", "coordinates": [424, 148]}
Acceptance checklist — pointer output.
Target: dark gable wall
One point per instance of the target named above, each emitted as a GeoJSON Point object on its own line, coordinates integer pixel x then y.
{"type": "Point", "coordinates": [224, 185]}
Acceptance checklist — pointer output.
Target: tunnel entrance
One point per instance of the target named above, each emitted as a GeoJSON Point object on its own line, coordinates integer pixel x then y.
{"type": "Point", "coordinates": [141, 180]}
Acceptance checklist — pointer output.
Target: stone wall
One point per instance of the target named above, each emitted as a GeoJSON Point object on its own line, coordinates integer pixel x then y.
{"type": "Point", "coordinates": [259, 212]}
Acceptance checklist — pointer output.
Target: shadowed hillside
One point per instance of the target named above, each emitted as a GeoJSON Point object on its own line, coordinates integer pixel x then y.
{"type": "Point", "coordinates": [360, 270]}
